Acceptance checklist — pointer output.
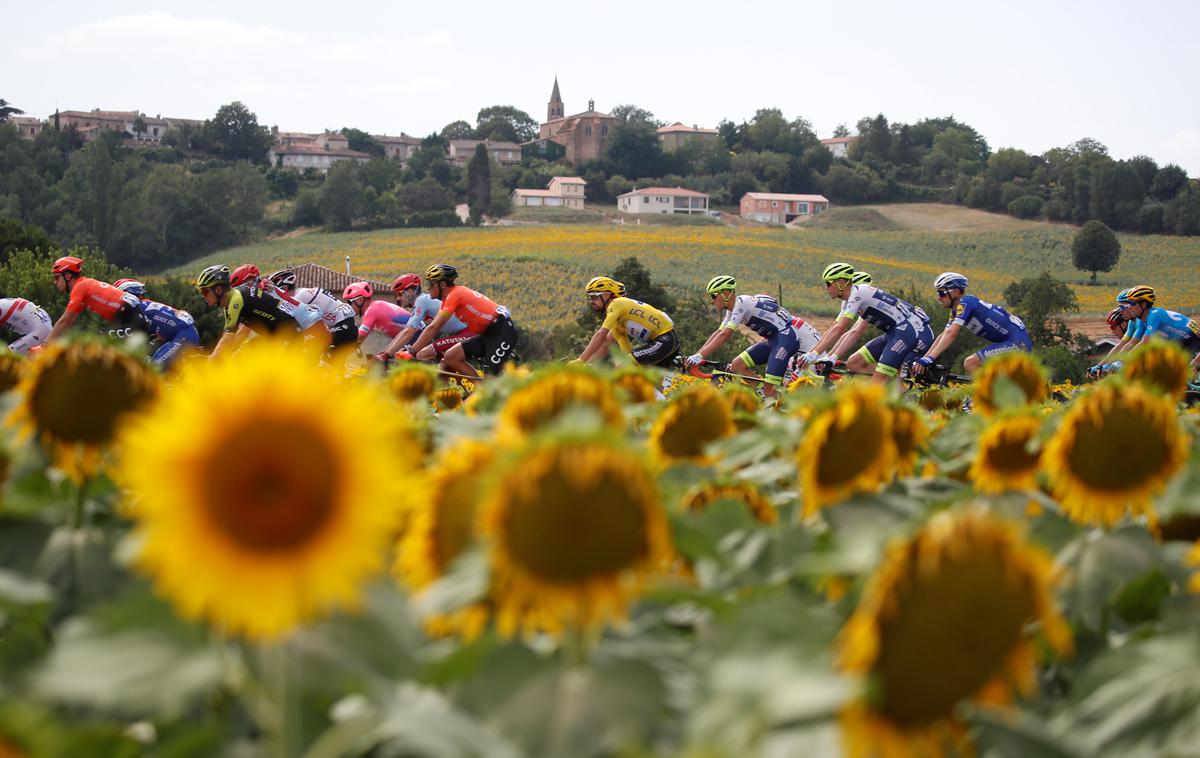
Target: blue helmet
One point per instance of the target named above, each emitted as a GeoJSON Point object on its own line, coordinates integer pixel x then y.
{"type": "Point", "coordinates": [950, 280]}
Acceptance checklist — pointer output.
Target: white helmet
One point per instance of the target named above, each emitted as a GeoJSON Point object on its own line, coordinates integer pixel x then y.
{"type": "Point", "coordinates": [950, 280]}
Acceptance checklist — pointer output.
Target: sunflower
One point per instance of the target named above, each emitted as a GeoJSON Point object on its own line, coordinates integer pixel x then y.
{"type": "Point", "coordinates": [701, 496]}
{"type": "Point", "coordinates": [1161, 367]}
{"type": "Point", "coordinates": [12, 367]}
{"type": "Point", "coordinates": [847, 448]}
{"type": "Point", "coordinates": [910, 435]}
{"type": "Point", "coordinates": [635, 385]}
{"type": "Point", "coordinates": [576, 527]}
{"type": "Point", "coordinates": [259, 499]}
{"type": "Point", "coordinates": [1008, 455]}
{"type": "Point", "coordinates": [74, 397]}
{"type": "Point", "coordinates": [801, 381]}
{"type": "Point", "coordinates": [743, 404]}
{"type": "Point", "coordinates": [441, 527]}
{"type": "Point", "coordinates": [1114, 449]}
{"type": "Point", "coordinates": [1020, 369]}
{"type": "Point", "coordinates": [1193, 559]}
{"type": "Point", "coordinates": [541, 400]}
{"type": "Point", "coordinates": [448, 398]}
{"type": "Point", "coordinates": [411, 381]}
{"type": "Point", "coordinates": [925, 641]}
{"type": "Point", "coordinates": [691, 420]}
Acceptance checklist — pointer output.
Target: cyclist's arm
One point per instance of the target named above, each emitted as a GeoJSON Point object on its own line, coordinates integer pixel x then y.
{"type": "Point", "coordinates": [715, 341]}
{"type": "Point", "coordinates": [230, 341]}
{"type": "Point", "coordinates": [831, 337]}
{"type": "Point", "coordinates": [428, 335]}
{"type": "Point", "coordinates": [63, 324]}
{"type": "Point", "coordinates": [599, 343]}
{"type": "Point", "coordinates": [943, 341]}
{"type": "Point", "coordinates": [848, 340]}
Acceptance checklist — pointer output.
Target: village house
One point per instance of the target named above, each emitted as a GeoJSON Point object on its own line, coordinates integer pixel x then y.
{"type": "Point", "coordinates": [676, 135]}
{"type": "Point", "coordinates": [664, 200]}
{"type": "Point", "coordinates": [583, 135]}
{"type": "Point", "coordinates": [562, 192]}
{"type": "Point", "coordinates": [27, 126]}
{"type": "Point", "coordinates": [772, 208]}
{"type": "Point", "coordinates": [839, 146]}
{"type": "Point", "coordinates": [132, 124]}
{"type": "Point", "coordinates": [401, 148]}
{"type": "Point", "coordinates": [505, 153]}
{"type": "Point", "coordinates": [301, 156]}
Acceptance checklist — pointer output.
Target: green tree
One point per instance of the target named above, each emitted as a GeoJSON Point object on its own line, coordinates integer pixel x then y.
{"type": "Point", "coordinates": [139, 125]}
{"type": "Point", "coordinates": [359, 140]}
{"type": "Point", "coordinates": [639, 285]}
{"type": "Point", "coordinates": [7, 110]}
{"type": "Point", "coordinates": [634, 150]}
{"type": "Point", "coordinates": [17, 236]}
{"type": "Point", "coordinates": [1095, 248]}
{"type": "Point", "coordinates": [1008, 163]}
{"type": "Point", "coordinates": [234, 133]}
{"type": "Point", "coordinates": [457, 130]}
{"type": "Point", "coordinates": [341, 196]}
{"type": "Point", "coordinates": [1167, 182]}
{"type": "Point", "coordinates": [425, 196]}
{"type": "Point", "coordinates": [505, 123]}
{"type": "Point", "coordinates": [841, 130]}
{"type": "Point", "coordinates": [630, 112]}
{"type": "Point", "coordinates": [1040, 301]}
{"type": "Point", "coordinates": [479, 184]}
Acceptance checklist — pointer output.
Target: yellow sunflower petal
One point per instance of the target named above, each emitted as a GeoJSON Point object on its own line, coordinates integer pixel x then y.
{"type": "Point", "coordinates": [547, 395]}
{"type": "Point", "coordinates": [691, 420]}
{"type": "Point", "coordinates": [1008, 456]}
{"type": "Point", "coordinates": [847, 448]}
{"type": "Point", "coordinates": [1022, 369]}
{"type": "Point", "coordinates": [1159, 366]}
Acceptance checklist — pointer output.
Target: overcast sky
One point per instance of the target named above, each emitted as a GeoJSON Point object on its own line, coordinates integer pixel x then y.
{"type": "Point", "coordinates": [1032, 75]}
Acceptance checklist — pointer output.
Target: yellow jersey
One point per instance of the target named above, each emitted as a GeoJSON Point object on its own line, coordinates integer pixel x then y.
{"type": "Point", "coordinates": [628, 319]}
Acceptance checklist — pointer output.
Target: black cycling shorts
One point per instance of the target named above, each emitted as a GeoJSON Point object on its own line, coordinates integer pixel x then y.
{"type": "Point", "coordinates": [659, 351]}
{"type": "Point", "coordinates": [344, 332]}
{"type": "Point", "coordinates": [494, 347]}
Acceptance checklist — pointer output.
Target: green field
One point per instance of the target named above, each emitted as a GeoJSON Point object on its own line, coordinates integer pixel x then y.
{"type": "Point", "coordinates": [539, 269]}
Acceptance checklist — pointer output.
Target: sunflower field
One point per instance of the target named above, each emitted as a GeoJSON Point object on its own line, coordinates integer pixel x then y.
{"type": "Point", "coordinates": [259, 556]}
{"type": "Point", "coordinates": [538, 271]}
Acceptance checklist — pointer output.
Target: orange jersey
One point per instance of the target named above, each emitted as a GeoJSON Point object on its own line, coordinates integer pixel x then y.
{"type": "Point", "coordinates": [101, 298]}
{"type": "Point", "coordinates": [475, 310]}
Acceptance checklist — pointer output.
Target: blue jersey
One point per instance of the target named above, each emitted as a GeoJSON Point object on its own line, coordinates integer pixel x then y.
{"type": "Point", "coordinates": [1169, 325]}
{"type": "Point", "coordinates": [425, 308]}
{"type": "Point", "coordinates": [164, 321]}
{"type": "Point", "coordinates": [983, 319]}
{"type": "Point", "coordinates": [882, 310]}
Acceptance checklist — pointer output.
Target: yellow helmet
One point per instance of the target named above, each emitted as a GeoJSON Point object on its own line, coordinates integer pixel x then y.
{"type": "Point", "coordinates": [1138, 294]}
{"type": "Point", "coordinates": [600, 284]}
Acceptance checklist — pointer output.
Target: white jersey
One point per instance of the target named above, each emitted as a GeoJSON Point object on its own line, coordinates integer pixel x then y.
{"type": "Point", "coordinates": [761, 313]}
{"type": "Point", "coordinates": [27, 320]}
{"type": "Point", "coordinates": [333, 311]}
{"type": "Point", "coordinates": [881, 309]}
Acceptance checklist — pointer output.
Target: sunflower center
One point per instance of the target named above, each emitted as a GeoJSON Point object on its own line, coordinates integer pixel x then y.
{"type": "Point", "coordinates": [851, 446]}
{"type": "Point", "coordinates": [952, 631]}
{"type": "Point", "coordinates": [702, 421]}
{"type": "Point", "coordinates": [272, 484]}
{"type": "Point", "coordinates": [1010, 454]}
{"type": "Point", "coordinates": [81, 400]}
{"type": "Point", "coordinates": [566, 527]}
{"type": "Point", "coordinates": [1116, 450]}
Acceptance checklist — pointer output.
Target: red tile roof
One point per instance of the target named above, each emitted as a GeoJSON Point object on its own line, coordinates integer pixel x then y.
{"type": "Point", "coordinates": [313, 275]}
{"type": "Point", "coordinates": [838, 140]}
{"type": "Point", "coordinates": [787, 198]}
{"type": "Point", "coordinates": [681, 127]}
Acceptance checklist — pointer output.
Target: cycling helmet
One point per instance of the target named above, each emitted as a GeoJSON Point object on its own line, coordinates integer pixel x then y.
{"type": "Point", "coordinates": [599, 284]}
{"type": "Point", "coordinates": [860, 277]}
{"type": "Point", "coordinates": [835, 271]}
{"type": "Point", "coordinates": [132, 286]}
{"type": "Point", "coordinates": [620, 289]}
{"type": "Point", "coordinates": [243, 274]}
{"type": "Point", "coordinates": [441, 272]}
{"type": "Point", "coordinates": [720, 283]}
{"type": "Point", "coordinates": [67, 265]}
{"type": "Point", "coordinates": [284, 279]}
{"type": "Point", "coordinates": [950, 281]}
{"type": "Point", "coordinates": [404, 281]}
{"type": "Point", "coordinates": [1121, 295]}
{"type": "Point", "coordinates": [1116, 318]}
{"type": "Point", "coordinates": [212, 276]}
{"type": "Point", "coordinates": [357, 290]}
{"type": "Point", "coordinates": [1138, 294]}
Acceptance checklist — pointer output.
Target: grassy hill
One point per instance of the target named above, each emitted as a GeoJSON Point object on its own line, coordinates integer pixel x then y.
{"type": "Point", "coordinates": [539, 270]}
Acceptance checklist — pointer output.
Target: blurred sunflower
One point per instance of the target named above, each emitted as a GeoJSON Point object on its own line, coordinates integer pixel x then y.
{"type": "Point", "coordinates": [1115, 448]}
{"type": "Point", "coordinates": [1193, 559]}
{"type": "Point", "coordinates": [910, 434]}
{"type": "Point", "coordinates": [1022, 369]}
{"type": "Point", "coordinates": [448, 398]}
{"type": "Point", "coordinates": [690, 421]}
{"type": "Point", "coordinates": [743, 404]}
{"type": "Point", "coordinates": [847, 448]}
{"type": "Point", "coordinates": [1161, 367]}
{"type": "Point", "coordinates": [441, 527]}
{"type": "Point", "coordinates": [636, 386]}
{"type": "Point", "coordinates": [576, 527]}
{"type": "Point", "coordinates": [926, 643]}
{"type": "Point", "coordinates": [543, 398]}
{"type": "Point", "coordinates": [932, 399]}
{"type": "Point", "coordinates": [410, 381]}
{"type": "Point", "coordinates": [12, 367]}
{"type": "Point", "coordinates": [701, 496]}
{"type": "Point", "coordinates": [801, 381]}
{"type": "Point", "coordinates": [74, 397]}
{"type": "Point", "coordinates": [1008, 455]}
{"type": "Point", "coordinates": [259, 500]}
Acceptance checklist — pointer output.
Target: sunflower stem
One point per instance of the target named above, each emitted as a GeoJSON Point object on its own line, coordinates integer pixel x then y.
{"type": "Point", "coordinates": [80, 501]}
{"type": "Point", "coordinates": [286, 736]}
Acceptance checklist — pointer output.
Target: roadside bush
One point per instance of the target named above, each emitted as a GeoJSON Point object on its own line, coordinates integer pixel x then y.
{"type": "Point", "coordinates": [1026, 206]}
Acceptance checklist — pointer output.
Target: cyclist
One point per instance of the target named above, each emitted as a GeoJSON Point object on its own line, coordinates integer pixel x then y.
{"type": "Point", "coordinates": [27, 320]}
{"type": "Point", "coordinates": [626, 319]}
{"type": "Point", "coordinates": [495, 333]}
{"type": "Point", "coordinates": [338, 316]}
{"type": "Point", "coordinates": [173, 327]}
{"type": "Point", "coordinates": [765, 317]}
{"type": "Point", "coordinates": [248, 308]}
{"type": "Point", "coordinates": [103, 299]}
{"type": "Point", "coordinates": [425, 308]}
{"type": "Point", "coordinates": [852, 337]}
{"type": "Point", "coordinates": [906, 333]}
{"type": "Point", "coordinates": [379, 315]}
{"type": "Point", "coordinates": [305, 315]}
{"type": "Point", "coordinates": [1005, 331]}
{"type": "Point", "coordinates": [1147, 322]}
{"type": "Point", "coordinates": [1117, 326]}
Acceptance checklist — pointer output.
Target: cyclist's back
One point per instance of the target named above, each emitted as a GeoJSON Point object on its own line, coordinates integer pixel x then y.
{"type": "Point", "coordinates": [425, 308]}
{"type": "Point", "coordinates": [1168, 324]}
{"type": "Point", "coordinates": [338, 316]}
{"type": "Point", "coordinates": [26, 319]}
{"type": "Point", "coordinates": [983, 319]}
{"type": "Point", "coordinates": [385, 317]}
{"type": "Point", "coordinates": [258, 308]}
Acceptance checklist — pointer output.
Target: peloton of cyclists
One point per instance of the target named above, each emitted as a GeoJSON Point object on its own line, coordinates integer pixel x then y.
{"type": "Point", "coordinates": [1144, 322]}
{"type": "Point", "coordinates": [424, 308]}
{"type": "Point", "coordinates": [249, 307]}
{"type": "Point", "coordinates": [87, 294]}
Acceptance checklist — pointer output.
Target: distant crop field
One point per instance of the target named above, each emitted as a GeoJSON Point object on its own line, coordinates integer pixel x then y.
{"type": "Point", "coordinates": [540, 270]}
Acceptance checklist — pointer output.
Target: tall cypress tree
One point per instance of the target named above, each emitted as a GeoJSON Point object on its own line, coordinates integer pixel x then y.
{"type": "Point", "coordinates": [479, 183]}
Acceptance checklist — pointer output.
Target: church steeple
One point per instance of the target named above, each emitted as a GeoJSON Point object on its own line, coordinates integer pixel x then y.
{"type": "Point", "coordinates": [555, 107]}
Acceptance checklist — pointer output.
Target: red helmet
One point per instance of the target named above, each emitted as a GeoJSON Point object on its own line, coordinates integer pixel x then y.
{"type": "Point", "coordinates": [243, 274]}
{"type": "Point", "coordinates": [1116, 318]}
{"type": "Point", "coordinates": [67, 264]}
{"type": "Point", "coordinates": [404, 281]}
{"type": "Point", "coordinates": [357, 290]}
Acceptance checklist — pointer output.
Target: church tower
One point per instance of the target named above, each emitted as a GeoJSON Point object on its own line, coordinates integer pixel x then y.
{"type": "Point", "coordinates": [555, 108]}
